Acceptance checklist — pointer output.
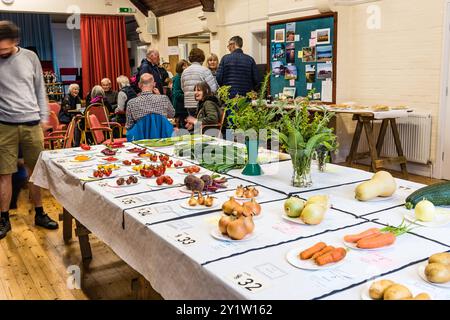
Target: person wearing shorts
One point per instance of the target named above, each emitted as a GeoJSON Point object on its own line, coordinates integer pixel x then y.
{"type": "Point", "coordinates": [23, 114]}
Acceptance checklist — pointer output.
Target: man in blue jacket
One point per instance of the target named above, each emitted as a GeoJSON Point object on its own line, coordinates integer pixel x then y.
{"type": "Point", "coordinates": [237, 69]}
{"type": "Point", "coordinates": [151, 65]}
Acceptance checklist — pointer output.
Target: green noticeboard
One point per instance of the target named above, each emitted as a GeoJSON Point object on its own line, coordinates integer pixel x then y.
{"type": "Point", "coordinates": [302, 56]}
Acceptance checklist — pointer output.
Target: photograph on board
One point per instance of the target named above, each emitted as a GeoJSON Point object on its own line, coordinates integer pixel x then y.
{"type": "Point", "coordinates": [290, 32]}
{"type": "Point", "coordinates": [279, 35]}
{"type": "Point", "coordinates": [291, 73]}
{"type": "Point", "coordinates": [309, 54]}
{"type": "Point", "coordinates": [290, 53]}
{"type": "Point", "coordinates": [323, 36]}
{"type": "Point", "coordinates": [324, 71]}
{"type": "Point", "coordinates": [324, 53]}
{"type": "Point", "coordinates": [278, 69]}
{"type": "Point", "coordinates": [310, 73]}
{"type": "Point", "coordinates": [278, 51]}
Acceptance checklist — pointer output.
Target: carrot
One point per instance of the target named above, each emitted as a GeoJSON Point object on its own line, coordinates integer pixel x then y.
{"type": "Point", "coordinates": [359, 236]}
{"type": "Point", "coordinates": [378, 241]}
{"type": "Point", "coordinates": [323, 251]}
{"type": "Point", "coordinates": [308, 253]}
{"type": "Point", "coordinates": [333, 256]}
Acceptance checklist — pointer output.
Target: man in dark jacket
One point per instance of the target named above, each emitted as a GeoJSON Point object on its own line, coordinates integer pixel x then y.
{"type": "Point", "coordinates": [151, 65]}
{"type": "Point", "coordinates": [237, 69]}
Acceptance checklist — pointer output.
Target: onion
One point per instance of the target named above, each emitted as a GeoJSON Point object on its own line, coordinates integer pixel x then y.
{"type": "Point", "coordinates": [425, 211]}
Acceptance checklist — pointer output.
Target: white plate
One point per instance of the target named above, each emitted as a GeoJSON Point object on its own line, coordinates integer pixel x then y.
{"type": "Point", "coordinates": [440, 219]}
{"type": "Point", "coordinates": [293, 258]}
{"type": "Point", "coordinates": [103, 161]}
{"type": "Point", "coordinates": [414, 290]}
{"type": "Point", "coordinates": [421, 271]}
{"type": "Point", "coordinates": [293, 220]}
{"type": "Point", "coordinates": [113, 184]}
{"type": "Point", "coordinates": [216, 234]}
{"type": "Point", "coordinates": [202, 171]}
{"type": "Point", "coordinates": [185, 205]}
{"type": "Point", "coordinates": [352, 245]}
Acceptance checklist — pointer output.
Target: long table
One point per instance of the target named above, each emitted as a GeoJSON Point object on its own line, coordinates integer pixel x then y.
{"type": "Point", "coordinates": [174, 250]}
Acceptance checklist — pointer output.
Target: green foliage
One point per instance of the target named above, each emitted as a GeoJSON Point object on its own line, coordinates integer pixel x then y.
{"type": "Point", "coordinates": [245, 116]}
{"type": "Point", "coordinates": [298, 132]}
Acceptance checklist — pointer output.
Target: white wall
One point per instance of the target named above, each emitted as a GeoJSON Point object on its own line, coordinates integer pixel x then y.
{"type": "Point", "coordinates": [67, 46]}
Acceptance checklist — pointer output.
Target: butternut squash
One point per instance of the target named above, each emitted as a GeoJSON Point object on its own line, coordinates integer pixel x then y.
{"type": "Point", "coordinates": [382, 184]}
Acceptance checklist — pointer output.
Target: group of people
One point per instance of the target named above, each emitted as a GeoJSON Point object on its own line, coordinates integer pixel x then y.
{"type": "Point", "coordinates": [194, 86]}
{"type": "Point", "coordinates": [24, 106]}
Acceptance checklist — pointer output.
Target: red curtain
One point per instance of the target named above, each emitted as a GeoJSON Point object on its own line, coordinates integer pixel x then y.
{"type": "Point", "coordinates": [104, 52]}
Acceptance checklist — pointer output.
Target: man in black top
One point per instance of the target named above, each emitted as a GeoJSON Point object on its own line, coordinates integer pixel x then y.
{"type": "Point", "coordinates": [151, 65]}
{"type": "Point", "coordinates": [237, 69]}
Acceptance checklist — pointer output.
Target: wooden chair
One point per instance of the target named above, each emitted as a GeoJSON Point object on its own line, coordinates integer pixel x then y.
{"type": "Point", "coordinates": [64, 139]}
{"type": "Point", "coordinates": [101, 112]}
{"type": "Point", "coordinates": [100, 133]}
{"type": "Point", "coordinates": [217, 126]}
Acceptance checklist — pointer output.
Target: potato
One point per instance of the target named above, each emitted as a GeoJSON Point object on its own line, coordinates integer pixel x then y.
{"type": "Point", "coordinates": [422, 296]}
{"type": "Point", "coordinates": [397, 292]}
{"type": "Point", "coordinates": [377, 288]}
{"type": "Point", "coordinates": [437, 272]}
{"type": "Point", "coordinates": [443, 258]}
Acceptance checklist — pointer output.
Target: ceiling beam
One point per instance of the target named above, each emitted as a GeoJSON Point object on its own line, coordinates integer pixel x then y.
{"type": "Point", "coordinates": [141, 7]}
{"type": "Point", "coordinates": [208, 5]}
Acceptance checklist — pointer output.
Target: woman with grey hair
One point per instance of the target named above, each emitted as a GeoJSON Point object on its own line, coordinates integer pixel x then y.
{"type": "Point", "coordinates": [69, 102]}
{"type": "Point", "coordinates": [98, 96]}
{"type": "Point", "coordinates": [126, 93]}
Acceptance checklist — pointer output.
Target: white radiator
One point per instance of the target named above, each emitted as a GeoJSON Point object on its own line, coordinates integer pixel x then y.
{"type": "Point", "coordinates": [415, 135]}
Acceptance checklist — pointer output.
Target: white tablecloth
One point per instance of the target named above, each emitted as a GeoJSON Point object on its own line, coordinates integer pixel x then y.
{"type": "Point", "coordinates": [173, 248]}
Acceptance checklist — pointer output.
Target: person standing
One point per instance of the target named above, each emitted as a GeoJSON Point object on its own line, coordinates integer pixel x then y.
{"type": "Point", "coordinates": [213, 63]}
{"type": "Point", "coordinates": [23, 114]}
{"type": "Point", "coordinates": [150, 64]}
{"type": "Point", "coordinates": [178, 94]}
{"type": "Point", "coordinates": [238, 69]}
{"type": "Point", "coordinates": [194, 74]}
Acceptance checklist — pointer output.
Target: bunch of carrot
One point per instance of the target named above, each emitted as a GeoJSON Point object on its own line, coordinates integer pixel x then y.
{"type": "Point", "coordinates": [323, 254]}
{"type": "Point", "coordinates": [371, 239]}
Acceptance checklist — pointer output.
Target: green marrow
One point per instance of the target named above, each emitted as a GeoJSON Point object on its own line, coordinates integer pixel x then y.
{"type": "Point", "coordinates": [438, 194]}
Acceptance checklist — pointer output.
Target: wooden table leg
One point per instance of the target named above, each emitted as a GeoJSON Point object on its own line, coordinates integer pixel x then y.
{"type": "Point", "coordinates": [355, 142]}
{"type": "Point", "coordinates": [398, 145]}
{"type": "Point", "coordinates": [371, 141]}
{"type": "Point", "coordinates": [381, 136]}
{"type": "Point", "coordinates": [67, 225]}
{"type": "Point", "coordinates": [83, 238]}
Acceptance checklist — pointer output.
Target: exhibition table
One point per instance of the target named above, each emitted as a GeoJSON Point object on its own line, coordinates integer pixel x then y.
{"type": "Point", "coordinates": [177, 251]}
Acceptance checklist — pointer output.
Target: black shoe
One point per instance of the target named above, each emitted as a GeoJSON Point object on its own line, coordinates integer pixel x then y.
{"type": "Point", "coordinates": [5, 226]}
{"type": "Point", "coordinates": [45, 221]}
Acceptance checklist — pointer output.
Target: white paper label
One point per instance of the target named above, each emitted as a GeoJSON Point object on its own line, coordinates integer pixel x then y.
{"type": "Point", "coordinates": [248, 282]}
{"type": "Point", "coordinates": [184, 238]}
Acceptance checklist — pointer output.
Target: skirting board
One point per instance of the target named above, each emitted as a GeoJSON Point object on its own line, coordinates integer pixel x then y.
{"type": "Point", "coordinates": [413, 168]}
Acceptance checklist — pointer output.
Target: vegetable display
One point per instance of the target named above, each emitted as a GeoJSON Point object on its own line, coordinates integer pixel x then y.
{"type": "Point", "coordinates": [209, 183]}
{"type": "Point", "coordinates": [425, 211]}
{"type": "Point", "coordinates": [323, 254]}
{"type": "Point", "coordinates": [382, 184]}
{"type": "Point", "coordinates": [310, 212]}
{"type": "Point", "coordinates": [438, 194]}
{"type": "Point", "coordinates": [249, 208]}
{"type": "Point", "coordinates": [438, 268]}
{"type": "Point", "coordinates": [389, 290]}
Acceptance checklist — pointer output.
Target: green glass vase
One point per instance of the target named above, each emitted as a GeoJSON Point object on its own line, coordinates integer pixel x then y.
{"type": "Point", "coordinates": [252, 168]}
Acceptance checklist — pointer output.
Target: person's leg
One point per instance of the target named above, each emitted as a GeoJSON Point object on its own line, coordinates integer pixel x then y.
{"type": "Point", "coordinates": [9, 145]}
{"type": "Point", "coordinates": [31, 142]}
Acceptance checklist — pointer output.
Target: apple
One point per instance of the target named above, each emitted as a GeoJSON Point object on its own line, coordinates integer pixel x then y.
{"type": "Point", "coordinates": [293, 207]}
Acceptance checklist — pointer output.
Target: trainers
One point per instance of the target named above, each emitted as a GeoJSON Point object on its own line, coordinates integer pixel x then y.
{"type": "Point", "coordinates": [5, 226]}
{"type": "Point", "coordinates": [45, 221]}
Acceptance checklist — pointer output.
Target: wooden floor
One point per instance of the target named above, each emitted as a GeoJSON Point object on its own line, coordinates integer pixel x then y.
{"type": "Point", "coordinates": [34, 261]}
